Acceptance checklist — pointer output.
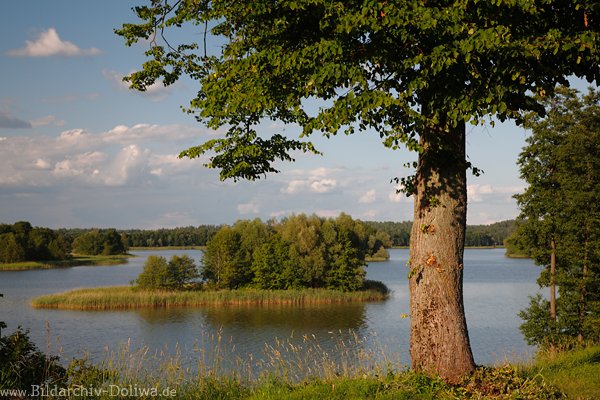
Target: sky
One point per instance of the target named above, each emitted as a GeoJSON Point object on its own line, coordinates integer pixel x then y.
{"type": "Point", "coordinates": [79, 149]}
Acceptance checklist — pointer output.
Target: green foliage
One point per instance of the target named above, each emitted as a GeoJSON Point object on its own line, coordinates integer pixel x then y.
{"type": "Point", "coordinates": [391, 67]}
{"type": "Point", "coordinates": [100, 241]}
{"type": "Point", "coordinates": [22, 242]}
{"type": "Point", "coordinates": [176, 274]}
{"type": "Point", "coordinates": [299, 251]}
{"type": "Point", "coordinates": [23, 365]}
{"type": "Point", "coordinates": [562, 205]}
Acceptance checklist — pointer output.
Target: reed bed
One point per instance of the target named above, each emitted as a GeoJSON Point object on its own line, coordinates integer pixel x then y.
{"type": "Point", "coordinates": [128, 297]}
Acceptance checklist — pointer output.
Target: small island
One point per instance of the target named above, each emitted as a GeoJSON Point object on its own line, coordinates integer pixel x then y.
{"type": "Point", "coordinates": [300, 260]}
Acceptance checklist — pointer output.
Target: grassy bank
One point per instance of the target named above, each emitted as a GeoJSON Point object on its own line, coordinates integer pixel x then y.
{"type": "Point", "coordinates": [71, 262]}
{"type": "Point", "coordinates": [287, 372]}
{"type": "Point", "coordinates": [127, 297]}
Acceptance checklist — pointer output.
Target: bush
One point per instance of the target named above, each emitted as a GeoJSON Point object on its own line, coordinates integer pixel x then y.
{"type": "Point", "coordinates": [23, 365]}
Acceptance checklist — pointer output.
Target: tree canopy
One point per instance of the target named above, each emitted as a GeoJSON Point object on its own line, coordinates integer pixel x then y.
{"type": "Point", "coordinates": [300, 251]}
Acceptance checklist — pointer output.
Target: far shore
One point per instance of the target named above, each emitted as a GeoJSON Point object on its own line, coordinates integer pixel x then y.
{"type": "Point", "coordinates": [130, 297]}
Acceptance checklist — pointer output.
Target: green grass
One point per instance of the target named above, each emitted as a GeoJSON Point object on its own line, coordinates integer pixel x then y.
{"type": "Point", "coordinates": [76, 260]}
{"type": "Point", "coordinates": [128, 297]}
{"type": "Point", "coordinates": [575, 373]}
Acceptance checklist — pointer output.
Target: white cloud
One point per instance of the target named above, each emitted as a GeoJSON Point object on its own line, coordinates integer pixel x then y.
{"type": "Point", "coordinates": [48, 120]}
{"type": "Point", "coordinates": [368, 197]}
{"type": "Point", "coordinates": [397, 195]}
{"type": "Point", "coordinates": [130, 167]}
{"type": "Point", "coordinates": [49, 44]}
{"type": "Point", "coordinates": [323, 185]}
{"type": "Point", "coordinates": [295, 186]}
{"type": "Point", "coordinates": [317, 181]}
{"type": "Point", "coordinates": [42, 164]}
{"type": "Point", "coordinates": [476, 193]}
{"type": "Point", "coordinates": [248, 208]}
{"type": "Point", "coordinates": [328, 213]}
{"type": "Point", "coordinates": [138, 132]}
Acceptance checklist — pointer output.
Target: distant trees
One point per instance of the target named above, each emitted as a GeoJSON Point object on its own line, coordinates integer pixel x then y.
{"type": "Point", "coordinates": [559, 221]}
{"type": "Point", "coordinates": [299, 251]}
{"type": "Point", "coordinates": [100, 241]}
{"type": "Point", "coordinates": [22, 242]}
{"type": "Point", "coordinates": [182, 236]}
{"type": "Point", "coordinates": [175, 274]}
{"type": "Point", "coordinates": [475, 236]}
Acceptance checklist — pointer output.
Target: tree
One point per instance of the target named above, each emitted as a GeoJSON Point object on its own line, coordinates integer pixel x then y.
{"type": "Point", "coordinates": [560, 212]}
{"type": "Point", "coordinates": [412, 72]}
{"type": "Point", "coordinates": [176, 274]}
{"type": "Point", "coordinates": [97, 241]}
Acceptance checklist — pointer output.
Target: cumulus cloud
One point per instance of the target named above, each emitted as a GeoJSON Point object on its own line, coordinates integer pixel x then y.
{"type": "Point", "coordinates": [117, 157]}
{"type": "Point", "coordinates": [157, 91]}
{"type": "Point", "coordinates": [477, 193]}
{"type": "Point", "coordinates": [8, 121]}
{"type": "Point", "coordinates": [317, 181]}
{"type": "Point", "coordinates": [48, 44]}
{"type": "Point", "coordinates": [397, 195]}
{"type": "Point", "coordinates": [368, 197]}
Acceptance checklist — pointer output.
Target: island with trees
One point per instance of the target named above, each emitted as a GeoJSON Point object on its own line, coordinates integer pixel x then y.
{"type": "Point", "coordinates": [299, 260]}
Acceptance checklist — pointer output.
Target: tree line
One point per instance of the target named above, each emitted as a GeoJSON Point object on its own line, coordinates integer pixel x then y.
{"type": "Point", "coordinates": [476, 235]}
{"type": "Point", "coordinates": [22, 242]}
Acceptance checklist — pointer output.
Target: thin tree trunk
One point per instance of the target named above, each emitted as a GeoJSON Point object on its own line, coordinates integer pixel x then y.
{"type": "Point", "coordinates": [583, 285]}
{"type": "Point", "coordinates": [553, 293]}
{"type": "Point", "coordinates": [553, 280]}
{"type": "Point", "coordinates": [439, 342]}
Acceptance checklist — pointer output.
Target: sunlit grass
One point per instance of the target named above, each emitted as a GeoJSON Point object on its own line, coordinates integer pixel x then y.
{"type": "Point", "coordinates": [128, 297]}
{"type": "Point", "coordinates": [576, 373]}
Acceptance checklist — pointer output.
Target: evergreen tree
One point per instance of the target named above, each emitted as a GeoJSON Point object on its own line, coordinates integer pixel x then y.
{"type": "Point", "coordinates": [560, 212]}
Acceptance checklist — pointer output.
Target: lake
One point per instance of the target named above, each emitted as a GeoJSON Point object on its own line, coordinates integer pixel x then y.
{"type": "Point", "coordinates": [496, 288]}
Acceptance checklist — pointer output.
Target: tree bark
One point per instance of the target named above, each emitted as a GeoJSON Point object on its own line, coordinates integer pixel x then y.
{"type": "Point", "coordinates": [439, 342]}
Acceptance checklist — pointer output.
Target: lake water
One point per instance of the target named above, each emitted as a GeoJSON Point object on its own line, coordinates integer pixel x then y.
{"type": "Point", "coordinates": [495, 289]}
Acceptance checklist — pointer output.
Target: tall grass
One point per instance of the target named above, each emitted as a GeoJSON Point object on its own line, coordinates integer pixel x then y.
{"type": "Point", "coordinates": [76, 260]}
{"type": "Point", "coordinates": [127, 297]}
{"type": "Point", "coordinates": [291, 370]}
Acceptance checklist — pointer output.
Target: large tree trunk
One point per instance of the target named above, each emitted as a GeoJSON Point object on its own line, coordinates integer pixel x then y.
{"type": "Point", "coordinates": [439, 341]}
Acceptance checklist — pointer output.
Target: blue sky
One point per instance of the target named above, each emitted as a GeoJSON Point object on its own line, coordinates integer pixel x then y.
{"type": "Point", "coordinates": [78, 149]}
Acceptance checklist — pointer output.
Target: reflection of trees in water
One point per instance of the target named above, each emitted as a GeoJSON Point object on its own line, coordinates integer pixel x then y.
{"type": "Point", "coordinates": [167, 315]}
{"type": "Point", "coordinates": [330, 317]}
